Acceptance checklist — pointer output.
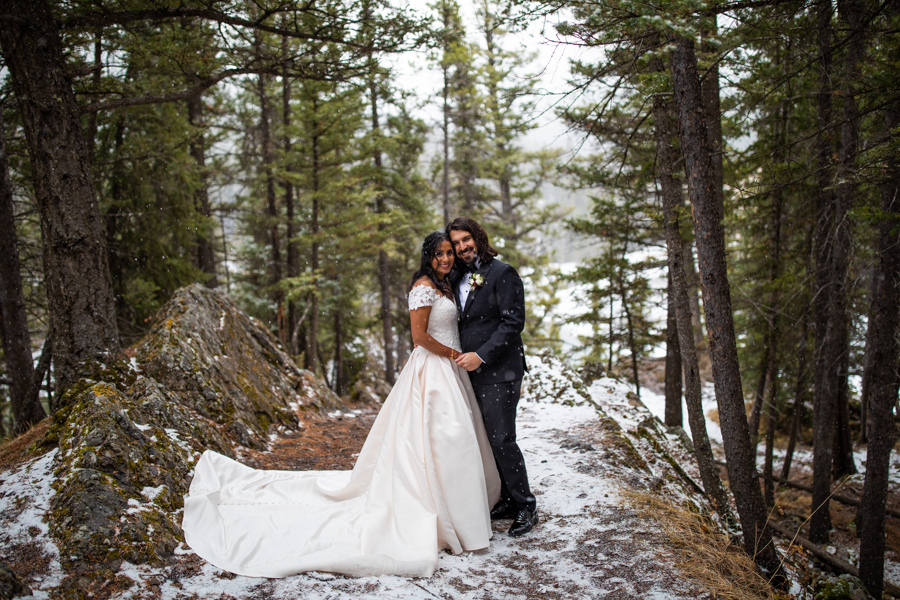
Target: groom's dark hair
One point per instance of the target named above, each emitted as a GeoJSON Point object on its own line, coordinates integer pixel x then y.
{"type": "Point", "coordinates": [484, 249]}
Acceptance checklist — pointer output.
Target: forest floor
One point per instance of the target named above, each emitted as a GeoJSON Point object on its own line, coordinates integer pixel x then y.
{"type": "Point", "coordinates": [591, 541]}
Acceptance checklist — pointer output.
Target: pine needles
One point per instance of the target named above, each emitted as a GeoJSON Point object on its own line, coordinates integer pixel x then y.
{"type": "Point", "coordinates": [704, 553]}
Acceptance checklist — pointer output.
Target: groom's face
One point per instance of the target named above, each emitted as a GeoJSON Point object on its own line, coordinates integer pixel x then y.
{"type": "Point", "coordinates": [463, 245]}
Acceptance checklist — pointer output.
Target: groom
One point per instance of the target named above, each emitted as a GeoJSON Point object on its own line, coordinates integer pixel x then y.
{"type": "Point", "coordinates": [492, 315]}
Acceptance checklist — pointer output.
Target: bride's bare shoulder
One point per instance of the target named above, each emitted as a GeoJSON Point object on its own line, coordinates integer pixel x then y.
{"type": "Point", "coordinates": [424, 281]}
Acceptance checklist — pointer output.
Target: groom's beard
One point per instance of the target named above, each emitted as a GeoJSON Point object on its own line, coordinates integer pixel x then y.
{"type": "Point", "coordinates": [469, 258]}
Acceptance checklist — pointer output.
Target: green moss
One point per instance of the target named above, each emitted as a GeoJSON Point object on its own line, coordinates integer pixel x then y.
{"type": "Point", "coordinates": [645, 434]}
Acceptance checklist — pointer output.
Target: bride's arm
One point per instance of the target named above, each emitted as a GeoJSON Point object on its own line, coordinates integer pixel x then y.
{"type": "Point", "coordinates": [418, 321]}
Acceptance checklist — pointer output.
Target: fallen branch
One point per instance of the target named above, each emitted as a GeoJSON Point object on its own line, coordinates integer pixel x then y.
{"type": "Point", "coordinates": [820, 553]}
{"type": "Point", "coordinates": [839, 497]}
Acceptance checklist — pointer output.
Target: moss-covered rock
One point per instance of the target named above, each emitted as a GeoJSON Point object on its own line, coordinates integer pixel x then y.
{"type": "Point", "coordinates": [120, 477]}
{"type": "Point", "coordinates": [226, 366]}
{"type": "Point", "coordinates": [206, 376]}
{"type": "Point", "coordinates": [844, 587]}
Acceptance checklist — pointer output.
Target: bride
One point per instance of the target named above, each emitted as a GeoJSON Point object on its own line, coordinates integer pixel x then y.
{"type": "Point", "coordinates": [425, 478]}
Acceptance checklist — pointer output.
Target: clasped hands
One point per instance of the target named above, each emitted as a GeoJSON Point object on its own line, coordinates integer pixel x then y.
{"type": "Point", "coordinates": [468, 361]}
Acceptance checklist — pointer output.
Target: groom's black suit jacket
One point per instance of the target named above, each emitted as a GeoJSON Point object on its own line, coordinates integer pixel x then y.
{"type": "Point", "coordinates": [491, 323]}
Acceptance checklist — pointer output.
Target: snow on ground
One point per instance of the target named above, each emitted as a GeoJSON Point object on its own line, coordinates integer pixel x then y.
{"type": "Point", "coordinates": [24, 498]}
{"type": "Point", "coordinates": [589, 543]}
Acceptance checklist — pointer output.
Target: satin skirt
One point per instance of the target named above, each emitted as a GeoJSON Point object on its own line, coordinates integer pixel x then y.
{"type": "Point", "coordinates": [425, 480]}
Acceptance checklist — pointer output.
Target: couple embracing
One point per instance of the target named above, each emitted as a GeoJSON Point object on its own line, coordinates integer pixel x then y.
{"type": "Point", "coordinates": [440, 461]}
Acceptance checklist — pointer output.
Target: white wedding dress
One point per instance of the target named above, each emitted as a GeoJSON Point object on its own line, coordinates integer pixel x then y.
{"type": "Point", "coordinates": [425, 480]}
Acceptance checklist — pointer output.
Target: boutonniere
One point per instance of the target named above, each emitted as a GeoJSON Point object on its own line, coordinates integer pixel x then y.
{"type": "Point", "coordinates": [476, 280]}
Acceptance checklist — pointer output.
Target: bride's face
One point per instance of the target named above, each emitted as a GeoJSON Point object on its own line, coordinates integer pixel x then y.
{"type": "Point", "coordinates": [442, 261]}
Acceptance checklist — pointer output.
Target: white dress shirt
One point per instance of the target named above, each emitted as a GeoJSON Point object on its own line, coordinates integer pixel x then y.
{"type": "Point", "coordinates": [464, 287]}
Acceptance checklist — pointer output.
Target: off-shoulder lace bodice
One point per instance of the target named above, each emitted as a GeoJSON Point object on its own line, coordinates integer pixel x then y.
{"type": "Point", "coordinates": [442, 320]}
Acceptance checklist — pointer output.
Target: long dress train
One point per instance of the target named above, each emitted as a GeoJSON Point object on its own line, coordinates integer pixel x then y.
{"type": "Point", "coordinates": [424, 480]}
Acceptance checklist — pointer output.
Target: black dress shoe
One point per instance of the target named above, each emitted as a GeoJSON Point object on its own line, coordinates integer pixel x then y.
{"type": "Point", "coordinates": [504, 510]}
{"type": "Point", "coordinates": [524, 522]}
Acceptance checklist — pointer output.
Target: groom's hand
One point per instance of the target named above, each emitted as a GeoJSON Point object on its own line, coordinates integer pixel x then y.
{"type": "Point", "coordinates": [468, 361]}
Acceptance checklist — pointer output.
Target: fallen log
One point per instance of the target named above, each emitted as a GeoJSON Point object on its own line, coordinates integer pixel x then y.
{"type": "Point", "coordinates": [839, 497]}
{"type": "Point", "coordinates": [820, 553]}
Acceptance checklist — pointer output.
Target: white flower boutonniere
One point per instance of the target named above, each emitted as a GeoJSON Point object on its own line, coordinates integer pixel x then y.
{"type": "Point", "coordinates": [476, 280]}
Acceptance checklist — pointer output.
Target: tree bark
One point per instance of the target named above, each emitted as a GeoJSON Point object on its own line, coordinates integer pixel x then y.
{"type": "Point", "coordinates": [884, 325]}
{"type": "Point", "coordinates": [312, 337]}
{"type": "Point", "coordinates": [672, 204]}
{"type": "Point", "coordinates": [693, 283]}
{"type": "Point", "coordinates": [673, 413]}
{"type": "Point", "coordinates": [710, 239]}
{"type": "Point", "coordinates": [338, 377]}
{"type": "Point", "coordinates": [79, 289]}
{"type": "Point", "coordinates": [632, 347]}
{"type": "Point", "coordinates": [825, 399]}
{"type": "Point", "coordinates": [852, 13]}
{"type": "Point", "coordinates": [867, 367]}
{"type": "Point", "coordinates": [799, 390]}
{"type": "Point", "coordinates": [275, 276]}
{"type": "Point", "coordinates": [206, 256]}
{"type": "Point", "coordinates": [759, 396]}
{"type": "Point", "coordinates": [292, 265]}
{"type": "Point", "coordinates": [712, 108]}
{"type": "Point", "coordinates": [384, 265]}
{"type": "Point", "coordinates": [96, 76]}
{"type": "Point", "coordinates": [26, 409]}
{"type": "Point", "coordinates": [445, 182]}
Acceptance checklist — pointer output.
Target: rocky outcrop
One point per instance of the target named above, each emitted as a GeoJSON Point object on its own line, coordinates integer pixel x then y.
{"type": "Point", "coordinates": [205, 376]}
{"type": "Point", "coordinates": [226, 366]}
{"type": "Point", "coordinates": [10, 585]}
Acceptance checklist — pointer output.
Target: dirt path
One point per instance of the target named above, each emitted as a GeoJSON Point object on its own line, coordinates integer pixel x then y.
{"type": "Point", "coordinates": [589, 543]}
{"type": "Point", "coordinates": [324, 443]}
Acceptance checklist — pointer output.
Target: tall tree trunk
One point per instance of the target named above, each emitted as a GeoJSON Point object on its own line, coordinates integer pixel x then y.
{"type": "Point", "coordinates": [265, 120]}
{"type": "Point", "coordinates": [292, 265]}
{"type": "Point", "coordinates": [673, 413]}
{"type": "Point", "coordinates": [111, 218]}
{"type": "Point", "coordinates": [445, 66]}
{"type": "Point", "coordinates": [338, 377]}
{"type": "Point", "coordinates": [384, 265]}
{"type": "Point", "coordinates": [885, 327]}
{"type": "Point", "coordinates": [799, 391]}
{"type": "Point", "coordinates": [712, 108]}
{"type": "Point", "coordinates": [759, 396]}
{"type": "Point", "coordinates": [96, 77]}
{"type": "Point", "coordinates": [312, 338]}
{"type": "Point", "coordinates": [693, 283]}
{"type": "Point", "coordinates": [774, 309]}
{"type": "Point", "coordinates": [867, 366]}
{"type": "Point", "coordinates": [79, 290]}
{"type": "Point", "coordinates": [206, 256]}
{"type": "Point", "coordinates": [611, 348]}
{"type": "Point", "coordinates": [771, 416]}
{"type": "Point", "coordinates": [632, 347]}
{"type": "Point", "coordinates": [852, 13]}
{"type": "Point", "coordinates": [672, 208]}
{"type": "Point", "coordinates": [26, 408]}
{"type": "Point", "coordinates": [710, 238]}
{"type": "Point", "coordinates": [825, 399]}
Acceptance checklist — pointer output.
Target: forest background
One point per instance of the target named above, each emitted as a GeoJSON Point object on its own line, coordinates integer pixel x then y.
{"type": "Point", "coordinates": [282, 153]}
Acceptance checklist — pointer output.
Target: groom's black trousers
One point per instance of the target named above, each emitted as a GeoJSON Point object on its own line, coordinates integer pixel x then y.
{"type": "Point", "coordinates": [498, 402]}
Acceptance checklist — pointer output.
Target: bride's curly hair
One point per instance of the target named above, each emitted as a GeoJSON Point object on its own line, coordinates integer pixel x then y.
{"type": "Point", "coordinates": [429, 247]}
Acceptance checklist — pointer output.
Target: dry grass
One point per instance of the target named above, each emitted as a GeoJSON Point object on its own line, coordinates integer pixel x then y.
{"type": "Point", "coordinates": [13, 452]}
{"type": "Point", "coordinates": [703, 553]}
